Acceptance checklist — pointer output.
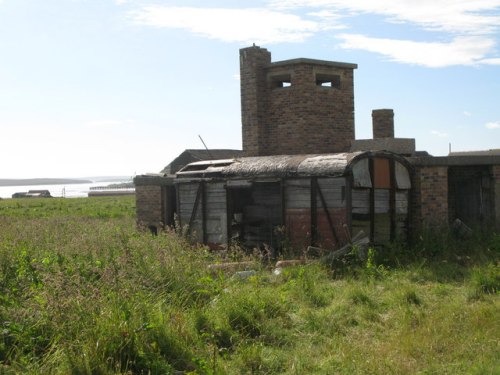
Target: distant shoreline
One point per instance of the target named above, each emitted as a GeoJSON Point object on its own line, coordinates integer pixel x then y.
{"type": "Point", "coordinates": [41, 181]}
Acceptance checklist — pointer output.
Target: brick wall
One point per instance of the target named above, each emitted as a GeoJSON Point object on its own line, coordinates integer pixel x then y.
{"type": "Point", "coordinates": [315, 114]}
{"type": "Point", "coordinates": [429, 198]}
{"type": "Point", "coordinates": [253, 64]}
{"type": "Point", "coordinates": [149, 205]}
{"type": "Point", "coordinates": [383, 123]}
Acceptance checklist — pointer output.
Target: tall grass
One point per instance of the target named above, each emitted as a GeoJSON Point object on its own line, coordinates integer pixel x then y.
{"type": "Point", "coordinates": [82, 291]}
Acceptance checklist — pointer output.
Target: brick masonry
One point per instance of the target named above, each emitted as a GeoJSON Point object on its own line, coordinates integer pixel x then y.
{"type": "Point", "coordinates": [149, 205]}
{"type": "Point", "coordinates": [383, 123]}
{"type": "Point", "coordinates": [304, 117]}
{"type": "Point", "coordinates": [429, 197]}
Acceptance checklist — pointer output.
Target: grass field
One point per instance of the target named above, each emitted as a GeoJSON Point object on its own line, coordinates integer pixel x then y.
{"type": "Point", "coordinates": [82, 291]}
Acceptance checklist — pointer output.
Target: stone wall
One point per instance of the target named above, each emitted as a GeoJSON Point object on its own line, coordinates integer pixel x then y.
{"type": "Point", "coordinates": [296, 106]}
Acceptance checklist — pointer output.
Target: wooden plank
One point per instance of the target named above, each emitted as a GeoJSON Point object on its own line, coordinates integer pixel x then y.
{"type": "Point", "coordinates": [203, 211]}
{"type": "Point", "coordinates": [196, 220]}
{"type": "Point", "coordinates": [382, 228]}
{"type": "Point", "coordinates": [402, 176]}
{"type": "Point", "coordinates": [361, 174]}
{"type": "Point", "coordinates": [333, 190]}
{"type": "Point", "coordinates": [360, 200]}
{"type": "Point", "coordinates": [382, 201]}
{"type": "Point", "coordinates": [381, 175]}
{"type": "Point", "coordinates": [314, 212]}
{"type": "Point", "coordinates": [327, 213]}
{"type": "Point", "coordinates": [372, 201]}
{"type": "Point", "coordinates": [297, 193]}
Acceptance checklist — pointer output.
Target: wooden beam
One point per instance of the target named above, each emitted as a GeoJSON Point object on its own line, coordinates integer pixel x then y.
{"type": "Point", "coordinates": [204, 211]}
{"type": "Point", "coordinates": [314, 214]}
{"type": "Point", "coordinates": [372, 202]}
{"type": "Point", "coordinates": [195, 207]}
{"type": "Point", "coordinates": [392, 200]}
{"type": "Point", "coordinates": [328, 217]}
{"type": "Point", "coordinates": [229, 214]}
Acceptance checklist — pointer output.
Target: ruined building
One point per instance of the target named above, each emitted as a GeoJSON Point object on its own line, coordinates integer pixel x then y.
{"type": "Point", "coordinates": [302, 178]}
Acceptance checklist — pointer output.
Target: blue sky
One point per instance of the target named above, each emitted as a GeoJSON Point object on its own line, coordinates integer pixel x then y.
{"type": "Point", "coordinates": [121, 87]}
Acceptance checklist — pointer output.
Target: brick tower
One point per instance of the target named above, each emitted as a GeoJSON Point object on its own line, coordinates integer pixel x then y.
{"type": "Point", "coordinates": [298, 106]}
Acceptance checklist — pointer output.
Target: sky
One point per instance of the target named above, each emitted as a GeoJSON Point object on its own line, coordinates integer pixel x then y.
{"type": "Point", "coordinates": [122, 87]}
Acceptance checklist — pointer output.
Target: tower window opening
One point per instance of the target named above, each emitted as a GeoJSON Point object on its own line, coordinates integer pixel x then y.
{"type": "Point", "coordinates": [280, 80]}
{"type": "Point", "coordinates": [328, 80]}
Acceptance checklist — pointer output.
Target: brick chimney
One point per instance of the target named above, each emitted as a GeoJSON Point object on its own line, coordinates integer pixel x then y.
{"type": "Point", "coordinates": [383, 123]}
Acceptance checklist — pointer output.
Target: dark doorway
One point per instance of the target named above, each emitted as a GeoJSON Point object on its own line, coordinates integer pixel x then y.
{"type": "Point", "coordinates": [470, 194]}
{"type": "Point", "coordinates": [254, 213]}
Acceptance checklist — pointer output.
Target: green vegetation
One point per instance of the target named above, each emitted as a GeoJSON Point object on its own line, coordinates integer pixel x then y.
{"type": "Point", "coordinates": [83, 292]}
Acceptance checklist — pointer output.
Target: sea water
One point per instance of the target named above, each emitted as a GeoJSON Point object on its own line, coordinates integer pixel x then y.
{"type": "Point", "coordinates": [63, 190]}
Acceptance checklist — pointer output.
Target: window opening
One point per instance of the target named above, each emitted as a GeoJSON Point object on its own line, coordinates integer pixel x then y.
{"type": "Point", "coordinates": [281, 81]}
{"type": "Point", "coordinates": [328, 80]}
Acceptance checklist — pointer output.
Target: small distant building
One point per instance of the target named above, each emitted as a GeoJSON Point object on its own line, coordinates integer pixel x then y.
{"type": "Point", "coordinates": [303, 179]}
{"type": "Point", "coordinates": [33, 194]}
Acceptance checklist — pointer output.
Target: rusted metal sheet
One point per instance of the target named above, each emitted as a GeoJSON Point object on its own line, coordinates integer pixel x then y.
{"type": "Point", "coordinates": [298, 226]}
{"type": "Point", "coordinates": [381, 174]}
{"type": "Point", "coordinates": [328, 237]}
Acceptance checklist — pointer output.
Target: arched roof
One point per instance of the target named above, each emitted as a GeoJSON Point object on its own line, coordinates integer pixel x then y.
{"type": "Point", "coordinates": [332, 165]}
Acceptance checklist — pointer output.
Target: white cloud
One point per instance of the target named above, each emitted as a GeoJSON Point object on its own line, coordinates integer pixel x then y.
{"type": "Point", "coordinates": [493, 125]}
{"type": "Point", "coordinates": [231, 25]}
{"type": "Point", "coordinates": [469, 28]}
{"type": "Point", "coordinates": [467, 114]}
{"type": "Point", "coordinates": [329, 20]}
{"type": "Point", "coordinates": [439, 134]}
{"type": "Point", "coordinates": [456, 16]}
{"type": "Point", "coordinates": [492, 61]}
{"type": "Point", "coordinates": [460, 51]}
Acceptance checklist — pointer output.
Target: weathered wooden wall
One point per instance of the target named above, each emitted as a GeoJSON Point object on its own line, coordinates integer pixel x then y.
{"type": "Point", "coordinates": [296, 212]}
{"type": "Point", "coordinates": [316, 212]}
{"type": "Point", "coordinates": [202, 210]}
